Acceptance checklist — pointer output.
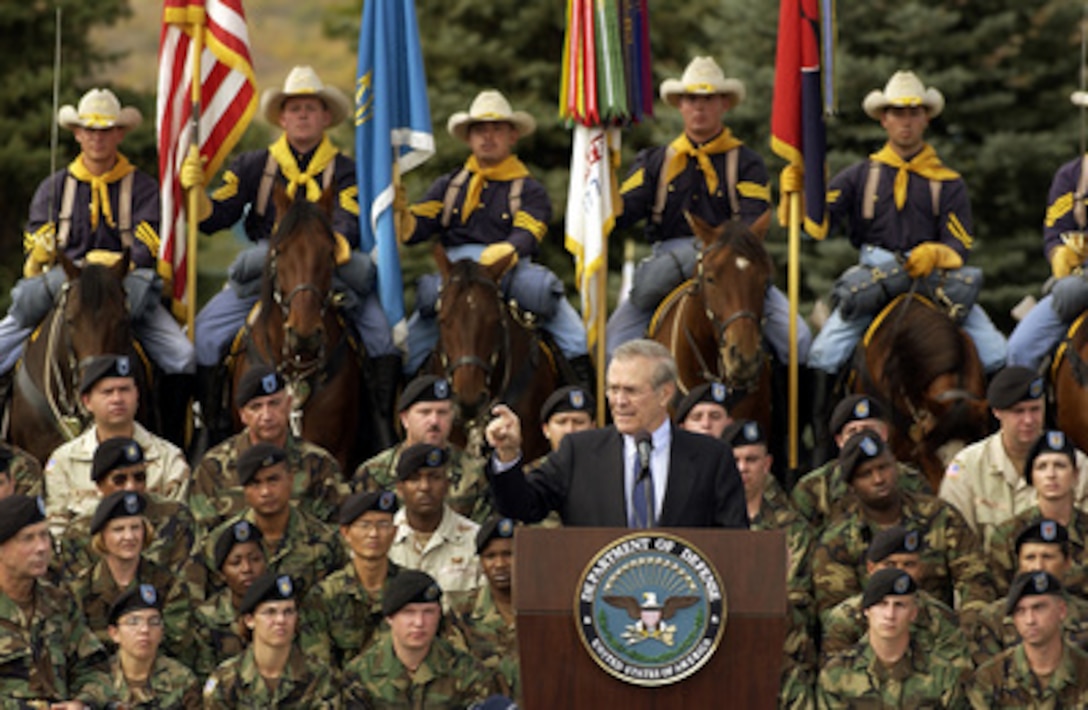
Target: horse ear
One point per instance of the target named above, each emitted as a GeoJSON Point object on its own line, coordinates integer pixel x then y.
{"type": "Point", "coordinates": [280, 200]}
{"type": "Point", "coordinates": [442, 260]}
{"type": "Point", "coordinates": [120, 269]}
{"type": "Point", "coordinates": [760, 226]}
{"type": "Point", "coordinates": [328, 199]}
{"type": "Point", "coordinates": [496, 270]}
{"type": "Point", "coordinates": [707, 235]}
{"type": "Point", "coordinates": [70, 270]}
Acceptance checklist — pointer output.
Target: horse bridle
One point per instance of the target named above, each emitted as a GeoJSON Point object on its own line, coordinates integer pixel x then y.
{"type": "Point", "coordinates": [325, 298]}
{"type": "Point", "coordinates": [488, 366]}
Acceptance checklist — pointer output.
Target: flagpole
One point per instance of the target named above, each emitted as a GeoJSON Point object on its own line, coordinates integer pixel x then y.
{"type": "Point", "coordinates": [793, 280]}
{"type": "Point", "coordinates": [192, 199]}
{"type": "Point", "coordinates": [602, 310]}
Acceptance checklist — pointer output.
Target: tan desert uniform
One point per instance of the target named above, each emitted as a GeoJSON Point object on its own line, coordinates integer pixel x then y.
{"type": "Point", "coordinates": [984, 485]}
{"type": "Point", "coordinates": [71, 492]}
{"type": "Point", "coordinates": [449, 556]}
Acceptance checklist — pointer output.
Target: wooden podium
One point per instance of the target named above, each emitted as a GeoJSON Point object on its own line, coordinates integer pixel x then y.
{"type": "Point", "coordinates": [557, 671]}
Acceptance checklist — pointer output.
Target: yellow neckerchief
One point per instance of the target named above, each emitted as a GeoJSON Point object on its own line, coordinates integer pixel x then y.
{"type": "Point", "coordinates": [925, 164]}
{"type": "Point", "coordinates": [509, 169]}
{"type": "Point", "coordinates": [100, 186]}
{"type": "Point", "coordinates": [281, 151]}
{"type": "Point", "coordinates": [723, 143]}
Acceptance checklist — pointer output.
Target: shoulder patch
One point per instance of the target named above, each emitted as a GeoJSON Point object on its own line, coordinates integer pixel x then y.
{"type": "Point", "coordinates": [953, 470]}
{"type": "Point", "coordinates": [209, 686]}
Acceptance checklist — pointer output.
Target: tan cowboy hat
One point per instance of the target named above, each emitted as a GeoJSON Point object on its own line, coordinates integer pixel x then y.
{"type": "Point", "coordinates": [304, 81]}
{"type": "Point", "coordinates": [98, 109]}
{"type": "Point", "coordinates": [903, 89]}
{"type": "Point", "coordinates": [702, 77]}
{"type": "Point", "coordinates": [490, 106]}
{"type": "Point", "coordinates": [1079, 98]}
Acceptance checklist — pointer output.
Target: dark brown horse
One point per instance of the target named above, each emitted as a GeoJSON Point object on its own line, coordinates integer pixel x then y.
{"type": "Point", "coordinates": [297, 330]}
{"type": "Point", "coordinates": [713, 323]}
{"type": "Point", "coordinates": [488, 352]}
{"type": "Point", "coordinates": [926, 368]}
{"type": "Point", "coordinates": [1069, 381]}
{"type": "Point", "coordinates": [89, 318]}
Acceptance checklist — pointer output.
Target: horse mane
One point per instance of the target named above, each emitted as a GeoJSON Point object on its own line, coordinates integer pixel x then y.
{"type": "Point", "coordinates": [98, 288]}
{"type": "Point", "coordinates": [745, 243]}
{"type": "Point", "coordinates": [466, 270]}
{"type": "Point", "coordinates": [301, 214]}
{"type": "Point", "coordinates": [925, 344]}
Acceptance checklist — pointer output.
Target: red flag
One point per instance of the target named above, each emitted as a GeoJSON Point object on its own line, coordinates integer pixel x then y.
{"type": "Point", "coordinates": [228, 100]}
{"type": "Point", "coordinates": [797, 122]}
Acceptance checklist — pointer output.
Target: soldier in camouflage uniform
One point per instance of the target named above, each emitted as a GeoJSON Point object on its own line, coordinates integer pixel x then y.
{"type": "Point", "coordinates": [888, 668]}
{"type": "Point", "coordinates": [23, 472]}
{"type": "Point", "coordinates": [141, 677]}
{"type": "Point", "coordinates": [950, 553]}
{"type": "Point", "coordinates": [426, 416]}
{"type": "Point", "coordinates": [1044, 671]}
{"type": "Point", "coordinates": [705, 409]}
{"type": "Point", "coordinates": [412, 667]}
{"type": "Point", "coordinates": [565, 411]}
{"type": "Point", "coordinates": [272, 672]}
{"type": "Point", "coordinates": [1051, 470]}
{"type": "Point", "coordinates": [264, 408]}
{"type": "Point", "coordinates": [820, 493]}
{"type": "Point", "coordinates": [119, 533]}
{"type": "Point", "coordinates": [486, 618]}
{"type": "Point", "coordinates": [1042, 546]}
{"type": "Point", "coordinates": [47, 653]}
{"type": "Point", "coordinates": [342, 614]}
{"type": "Point", "coordinates": [770, 509]}
{"type": "Point", "coordinates": [239, 558]}
{"type": "Point", "coordinates": [294, 542]}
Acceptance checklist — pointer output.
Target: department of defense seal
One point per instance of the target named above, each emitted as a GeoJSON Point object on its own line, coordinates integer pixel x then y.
{"type": "Point", "coordinates": [650, 609]}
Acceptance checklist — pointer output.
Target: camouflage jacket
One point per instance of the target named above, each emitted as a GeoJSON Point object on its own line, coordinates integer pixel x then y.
{"type": "Point", "coordinates": [216, 629]}
{"type": "Point", "coordinates": [237, 684]}
{"type": "Point", "coordinates": [820, 494]}
{"type": "Point", "coordinates": [216, 495]}
{"type": "Point", "coordinates": [468, 495]}
{"type": "Point", "coordinates": [26, 471]}
{"type": "Point", "coordinates": [447, 678]}
{"type": "Point", "coordinates": [170, 685]}
{"type": "Point", "coordinates": [488, 637]}
{"type": "Point", "coordinates": [51, 656]}
{"type": "Point", "coordinates": [340, 619]}
{"type": "Point", "coordinates": [1003, 550]}
{"type": "Point", "coordinates": [951, 556]}
{"type": "Point", "coordinates": [1007, 682]}
{"type": "Point", "coordinates": [994, 632]}
{"type": "Point", "coordinates": [856, 678]}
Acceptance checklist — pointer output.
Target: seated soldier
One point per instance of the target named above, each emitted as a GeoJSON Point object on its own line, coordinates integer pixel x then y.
{"type": "Point", "coordinates": [950, 552]}
{"type": "Point", "coordinates": [305, 162]}
{"type": "Point", "coordinates": [140, 675]}
{"type": "Point", "coordinates": [487, 210]}
{"type": "Point", "coordinates": [710, 174]}
{"type": "Point", "coordinates": [705, 409]}
{"type": "Point", "coordinates": [565, 411]}
{"type": "Point", "coordinates": [264, 406]}
{"type": "Point", "coordinates": [1043, 671]}
{"type": "Point", "coordinates": [90, 211]}
{"type": "Point", "coordinates": [412, 666]}
{"type": "Point", "coordinates": [889, 667]}
{"type": "Point", "coordinates": [239, 559]}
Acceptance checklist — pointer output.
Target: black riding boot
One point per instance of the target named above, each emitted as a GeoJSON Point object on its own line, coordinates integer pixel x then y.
{"type": "Point", "coordinates": [175, 392]}
{"type": "Point", "coordinates": [823, 445]}
{"type": "Point", "coordinates": [585, 374]}
{"type": "Point", "coordinates": [382, 390]}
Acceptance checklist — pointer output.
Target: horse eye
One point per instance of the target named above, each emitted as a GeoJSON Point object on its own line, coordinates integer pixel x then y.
{"type": "Point", "coordinates": [710, 279]}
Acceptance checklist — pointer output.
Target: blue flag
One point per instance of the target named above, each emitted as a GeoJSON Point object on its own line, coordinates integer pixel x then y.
{"type": "Point", "coordinates": [392, 126]}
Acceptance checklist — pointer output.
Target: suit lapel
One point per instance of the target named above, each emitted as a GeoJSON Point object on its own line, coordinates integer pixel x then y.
{"type": "Point", "coordinates": [680, 481]}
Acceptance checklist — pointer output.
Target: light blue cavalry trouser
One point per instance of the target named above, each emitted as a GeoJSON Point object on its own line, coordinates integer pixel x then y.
{"type": "Point", "coordinates": [565, 327]}
{"type": "Point", "coordinates": [1036, 336]}
{"type": "Point", "coordinates": [837, 339]}
{"type": "Point", "coordinates": [629, 322]}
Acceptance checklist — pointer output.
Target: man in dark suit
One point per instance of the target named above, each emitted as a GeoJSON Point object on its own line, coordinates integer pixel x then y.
{"type": "Point", "coordinates": [600, 477]}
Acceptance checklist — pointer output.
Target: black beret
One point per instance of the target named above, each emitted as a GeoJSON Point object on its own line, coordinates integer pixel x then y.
{"type": "Point", "coordinates": [425, 388]}
{"type": "Point", "coordinates": [1043, 531]}
{"type": "Point", "coordinates": [1031, 584]}
{"type": "Point", "coordinates": [496, 527]}
{"type": "Point", "coordinates": [258, 381]}
{"type": "Point", "coordinates": [142, 596]}
{"type": "Point", "coordinates": [893, 541]}
{"type": "Point", "coordinates": [744, 432]}
{"type": "Point", "coordinates": [17, 512]}
{"type": "Point", "coordinates": [111, 454]}
{"type": "Point", "coordinates": [259, 456]}
{"type": "Point", "coordinates": [854, 408]}
{"type": "Point", "coordinates": [887, 582]}
{"type": "Point", "coordinates": [409, 586]}
{"type": "Point", "coordinates": [863, 446]}
{"type": "Point", "coordinates": [241, 532]}
{"type": "Point", "coordinates": [119, 504]}
{"type": "Point", "coordinates": [269, 587]}
{"type": "Point", "coordinates": [359, 503]}
{"type": "Point", "coordinates": [710, 392]}
{"type": "Point", "coordinates": [1014, 385]}
{"type": "Point", "coordinates": [568, 399]}
{"type": "Point", "coordinates": [419, 456]}
{"type": "Point", "coordinates": [1052, 441]}
{"type": "Point", "coordinates": [102, 366]}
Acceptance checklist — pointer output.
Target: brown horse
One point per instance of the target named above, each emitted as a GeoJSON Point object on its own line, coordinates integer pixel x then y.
{"type": "Point", "coordinates": [298, 331]}
{"type": "Point", "coordinates": [712, 323]}
{"type": "Point", "coordinates": [89, 318]}
{"type": "Point", "coordinates": [917, 360]}
{"type": "Point", "coordinates": [1069, 381]}
{"type": "Point", "coordinates": [488, 352]}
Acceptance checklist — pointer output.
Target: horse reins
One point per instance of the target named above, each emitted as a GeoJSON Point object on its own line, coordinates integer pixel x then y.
{"type": "Point", "coordinates": [488, 366]}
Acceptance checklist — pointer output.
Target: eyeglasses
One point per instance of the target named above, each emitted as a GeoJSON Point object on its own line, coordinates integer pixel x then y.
{"type": "Point", "coordinates": [368, 525]}
{"type": "Point", "coordinates": [152, 622]}
{"type": "Point", "coordinates": [273, 613]}
{"type": "Point", "coordinates": [120, 479]}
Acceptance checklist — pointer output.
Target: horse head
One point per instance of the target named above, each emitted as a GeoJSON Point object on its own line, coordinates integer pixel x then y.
{"type": "Point", "coordinates": [732, 273]}
{"type": "Point", "coordinates": [93, 307]}
{"type": "Point", "coordinates": [474, 333]}
{"type": "Point", "coordinates": [298, 273]}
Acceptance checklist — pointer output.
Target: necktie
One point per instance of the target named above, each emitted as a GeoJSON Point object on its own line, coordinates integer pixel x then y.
{"type": "Point", "coordinates": [642, 498]}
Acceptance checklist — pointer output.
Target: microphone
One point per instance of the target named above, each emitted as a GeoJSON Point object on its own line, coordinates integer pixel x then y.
{"type": "Point", "coordinates": [644, 444]}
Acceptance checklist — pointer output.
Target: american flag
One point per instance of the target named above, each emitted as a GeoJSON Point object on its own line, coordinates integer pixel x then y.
{"type": "Point", "coordinates": [228, 100]}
